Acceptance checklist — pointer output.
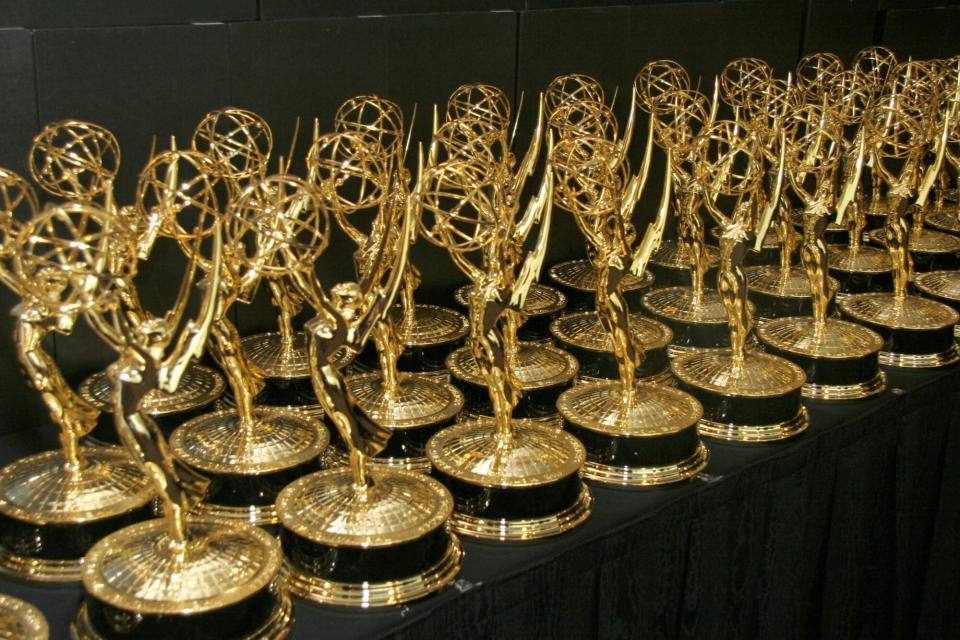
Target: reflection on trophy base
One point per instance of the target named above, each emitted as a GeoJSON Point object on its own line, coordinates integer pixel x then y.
{"type": "Point", "coordinates": [249, 466]}
{"type": "Point", "coordinates": [757, 401]}
{"type": "Point", "coordinates": [521, 485]}
{"type": "Point", "coordinates": [861, 270]}
{"type": "Point", "coordinates": [930, 250]}
{"type": "Point", "coordinates": [946, 219]}
{"type": "Point", "coordinates": [670, 265]}
{"type": "Point", "coordinates": [544, 372]}
{"type": "Point", "coordinates": [371, 546]}
{"type": "Point", "coordinates": [285, 361]}
{"type": "Point", "coordinates": [20, 619]}
{"type": "Point", "coordinates": [578, 279]}
{"type": "Point", "coordinates": [917, 332]}
{"type": "Point", "coordinates": [646, 438]}
{"type": "Point", "coordinates": [49, 517]}
{"type": "Point", "coordinates": [198, 390]}
{"type": "Point", "coordinates": [540, 307]}
{"type": "Point", "coordinates": [697, 322]}
{"type": "Point", "coordinates": [840, 359]}
{"type": "Point", "coordinates": [434, 332]}
{"type": "Point", "coordinates": [780, 295]}
{"type": "Point", "coordinates": [417, 401]}
{"type": "Point", "coordinates": [584, 336]}
{"type": "Point", "coordinates": [223, 584]}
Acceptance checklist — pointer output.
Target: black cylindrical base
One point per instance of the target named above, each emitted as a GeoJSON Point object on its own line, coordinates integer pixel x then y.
{"type": "Point", "coordinates": [769, 306]}
{"type": "Point", "coordinates": [657, 450]}
{"type": "Point", "coordinates": [908, 342]}
{"type": "Point", "coordinates": [237, 491]}
{"type": "Point", "coordinates": [689, 335]}
{"type": "Point", "coordinates": [404, 443]}
{"type": "Point", "coordinates": [832, 371]}
{"type": "Point", "coordinates": [746, 410]}
{"type": "Point", "coordinates": [603, 364]}
{"type": "Point", "coordinates": [535, 403]}
{"type": "Point", "coordinates": [924, 262]}
{"type": "Point", "coordinates": [856, 282]}
{"type": "Point", "coordinates": [511, 503]}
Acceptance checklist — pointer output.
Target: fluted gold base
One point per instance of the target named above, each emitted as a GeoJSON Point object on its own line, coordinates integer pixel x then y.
{"type": "Point", "coordinates": [648, 476]}
{"type": "Point", "coordinates": [377, 594]}
{"type": "Point", "coordinates": [21, 620]}
{"type": "Point", "coordinates": [335, 457]}
{"type": "Point", "coordinates": [839, 392]}
{"type": "Point", "coordinates": [920, 360]}
{"type": "Point", "coordinates": [756, 433]}
{"type": "Point", "coordinates": [505, 530]}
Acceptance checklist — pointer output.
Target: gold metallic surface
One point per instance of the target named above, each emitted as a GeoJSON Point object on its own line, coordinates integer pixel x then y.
{"type": "Point", "coordinates": [529, 528]}
{"type": "Point", "coordinates": [20, 620]}
{"type": "Point", "coordinates": [756, 433]}
{"type": "Point", "coordinates": [432, 325]}
{"type": "Point", "coordinates": [478, 453]}
{"type": "Point", "coordinates": [581, 275]}
{"type": "Point", "coordinates": [836, 339]}
{"type": "Point", "coordinates": [276, 360]}
{"type": "Point", "coordinates": [770, 280]}
{"type": "Point", "coordinates": [417, 400]}
{"type": "Point", "coordinates": [584, 330]}
{"type": "Point", "coordinates": [397, 507]}
{"type": "Point", "coordinates": [200, 386]}
{"type": "Point", "coordinates": [278, 626]}
{"type": "Point", "coordinates": [142, 569]}
{"type": "Point", "coordinates": [939, 284]}
{"type": "Point", "coordinates": [908, 312]}
{"type": "Point", "coordinates": [759, 375]}
{"type": "Point", "coordinates": [921, 360]}
{"type": "Point", "coordinates": [535, 365]}
{"type": "Point", "coordinates": [335, 457]}
{"type": "Point", "coordinates": [860, 259]}
{"type": "Point", "coordinates": [278, 439]}
{"type": "Point", "coordinates": [674, 255]}
{"type": "Point", "coordinates": [648, 476]}
{"type": "Point", "coordinates": [945, 219]}
{"type": "Point", "coordinates": [541, 301]}
{"type": "Point", "coordinates": [839, 392]}
{"type": "Point", "coordinates": [377, 594]}
{"type": "Point", "coordinates": [682, 304]}
{"type": "Point", "coordinates": [646, 411]}
{"type": "Point", "coordinates": [924, 240]}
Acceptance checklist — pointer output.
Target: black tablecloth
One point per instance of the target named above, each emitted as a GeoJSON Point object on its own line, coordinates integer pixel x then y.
{"type": "Point", "coordinates": [850, 531]}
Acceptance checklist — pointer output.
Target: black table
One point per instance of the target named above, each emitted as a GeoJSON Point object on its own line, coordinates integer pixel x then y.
{"type": "Point", "coordinates": [849, 531]}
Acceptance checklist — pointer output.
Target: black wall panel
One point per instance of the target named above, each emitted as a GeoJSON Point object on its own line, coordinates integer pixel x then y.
{"type": "Point", "coordinates": [923, 33]}
{"type": "Point", "coordinates": [841, 27]}
{"type": "Point", "coordinates": [270, 9]}
{"type": "Point", "coordinates": [45, 14]}
{"type": "Point", "coordinates": [136, 81]}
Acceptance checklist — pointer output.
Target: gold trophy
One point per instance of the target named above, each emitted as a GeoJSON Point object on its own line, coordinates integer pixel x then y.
{"type": "Point", "coordinates": [946, 216]}
{"type": "Point", "coordinates": [21, 620]}
{"type": "Point", "coordinates": [250, 451]}
{"type": "Point", "coordinates": [695, 314]}
{"type": "Point", "coordinates": [362, 535]}
{"type": "Point", "coordinates": [240, 143]}
{"type": "Point", "coordinates": [511, 479]}
{"type": "Point", "coordinates": [634, 434]}
{"type": "Point", "coordinates": [177, 575]}
{"type": "Point", "coordinates": [858, 268]}
{"type": "Point", "coordinates": [413, 406]}
{"type": "Point", "coordinates": [747, 396]}
{"type": "Point", "coordinates": [565, 99]}
{"type": "Point", "coordinates": [55, 505]}
{"type": "Point", "coordinates": [840, 358]}
{"type": "Point", "coordinates": [917, 332]}
{"type": "Point", "coordinates": [78, 161]}
{"type": "Point", "coordinates": [476, 137]}
{"type": "Point", "coordinates": [583, 333]}
{"type": "Point", "coordinates": [672, 264]}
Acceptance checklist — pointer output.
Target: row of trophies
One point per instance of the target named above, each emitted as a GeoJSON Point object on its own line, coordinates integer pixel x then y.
{"type": "Point", "coordinates": [445, 424]}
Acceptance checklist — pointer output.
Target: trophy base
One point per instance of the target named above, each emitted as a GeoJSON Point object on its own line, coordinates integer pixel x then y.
{"type": "Point", "coordinates": [697, 322]}
{"type": "Point", "coordinates": [20, 619]}
{"type": "Point", "coordinates": [584, 336]}
{"type": "Point", "coordinates": [336, 457]}
{"type": "Point", "coordinates": [429, 338]}
{"type": "Point", "coordinates": [250, 466]}
{"type": "Point", "coordinates": [917, 332]}
{"type": "Point", "coordinates": [647, 438]}
{"type": "Point", "coordinates": [931, 250]}
{"type": "Point", "coordinates": [942, 286]}
{"type": "Point", "coordinates": [863, 270]}
{"type": "Point", "coordinates": [670, 264]}
{"type": "Point", "coordinates": [417, 401]}
{"type": "Point", "coordinates": [221, 583]}
{"type": "Point", "coordinates": [779, 295]}
{"type": "Point", "coordinates": [50, 518]}
{"type": "Point", "coordinates": [519, 486]}
{"type": "Point", "coordinates": [578, 279]}
{"type": "Point", "coordinates": [756, 402]}
{"type": "Point", "coordinates": [371, 546]}
{"type": "Point", "coordinates": [198, 390]}
{"type": "Point", "coordinates": [840, 359]}
{"type": "Point", "coordinates": [540, 307]}
{"type": "Point", "coordinates": [543, 371]}
{"type": "Point", "coordinates": [944, 220]}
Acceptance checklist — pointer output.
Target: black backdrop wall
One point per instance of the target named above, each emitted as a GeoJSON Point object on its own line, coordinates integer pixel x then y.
{"type": "Point", "coordinates": [141, 67]}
